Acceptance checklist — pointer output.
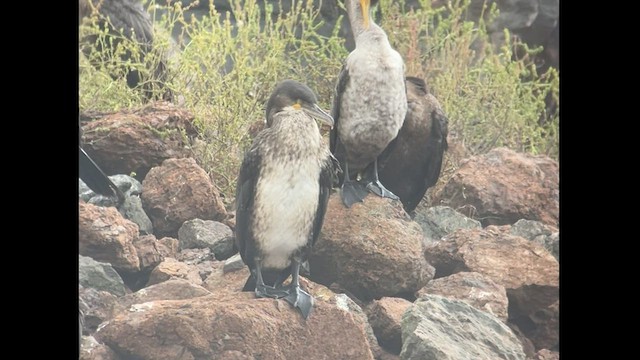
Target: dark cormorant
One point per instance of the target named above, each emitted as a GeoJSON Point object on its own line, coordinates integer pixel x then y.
{"type": "Point", "coordinates": [369, 106]}
{"type": "Point", "coordinates": [95, 178]}
{"type": "Point", "coordinates": [282, 194]}
{"type": "Point", "coordinates": [414, 161]}
{"type": "Point", "coordinates": [126, 18]}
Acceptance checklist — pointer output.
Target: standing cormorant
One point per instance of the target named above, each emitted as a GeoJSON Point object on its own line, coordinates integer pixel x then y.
{"type": "Point", "coordinates": [126, 19]}
{"type": "Point", "coordinates": [282, 194]}
{"type": "Point", "coordinates": [413, 162]}
{"type": "Point", "coordinates": [369, 106]}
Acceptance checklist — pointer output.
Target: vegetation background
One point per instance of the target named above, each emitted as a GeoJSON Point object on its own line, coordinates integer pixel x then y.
{"type": "Point", "coordinates": [223, 67]}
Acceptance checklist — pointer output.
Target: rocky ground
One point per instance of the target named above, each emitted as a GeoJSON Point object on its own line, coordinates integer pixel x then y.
{"type": "Point", "coordinates": [476, 277]}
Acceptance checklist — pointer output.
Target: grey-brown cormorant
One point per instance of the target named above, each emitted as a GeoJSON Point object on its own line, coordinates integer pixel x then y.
{"type": "Point", "coordinates": [128, 19]}
{"type": "Point", "coordinates": [282, 194]}
{"type": "Point", "coordinates": [414, 161]}
{"type": "Point", "coordinates": [369, 106]}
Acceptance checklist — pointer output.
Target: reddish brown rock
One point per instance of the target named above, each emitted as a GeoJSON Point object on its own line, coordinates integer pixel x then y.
{"type": "Point", "coordinates": [97, 307]}
{"type": "Point", "coordinates": [385, 316]}
{"type": "Point", "coordinates": [172, 268]}
{"type": "Point", "coordinates": [149, 253]}
{"type": "Point", "coordinates": [214, 326]}
{"type": "Point", "coordinates": [106, 236]}
{"type": "Point", "coordinates": [545, 354]}
{"type": "Point", "coordinates": [502, 187]}
{"type": "Point", "coordinates": [474, 288]}
{"type": "Point", "coordinates": [139, 139]}
{"type": "Point", "coordinates": [169, 247]}
{"type": "Point", "coordinates": [178, 191]}
{"type": "Point", "coordinates": [93, 350]}
{"type": "Point", "coordinates": [372, 249]}
{"type": "Point", "coordinates": [529, 273]}
{"type": "Point", "coordinates": [172, 289]}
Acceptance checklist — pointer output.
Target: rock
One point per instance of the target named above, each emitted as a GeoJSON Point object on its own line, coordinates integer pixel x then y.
{"type": "Point", "coordinates": [502, 187]}
{"type": "Point", "coordinates": [474, 288]}
{"type": "Point", "coordinates": [130, 186]}
{"type": "Point", "coordinates": [233, 263]}
{"type": "Point", "coordinates": [527, 271]}
{"type": "Point", "coordinates": [97, 306]}
{"type": "Point", "coordinates": [345, 303]}
{"type": "Point", "coordinates": [544, 334]}
{"type": "Point", "coordinates": [172, 289]}
{"type": "Point", "coordinates": [540, 233]}
{"type": "Point", "coordinates": [93, 350]}
{"type": "Point", "coordinates": [169, 247]}
{"type": "Point", "coordinates": [172, 268]}
{"type": "Point", "coordinates": [214, 235]}
{"type": "Point", "coordinates": [385, 316]}
{"type": "Point", "coordinates": [99, 276]}
{"type": "Point", "coordinates": [221, 281]}
{"type": "Point", "coordinates": [545, 354]}
{"type": "Point", "coordinates": [438, 221]}
{"type": "Point", "coordinates": [132, 210]}
{"type": "Point", "coordinates": [195, 256]}
{"type": "Point", "coordinates": [134, 141]}
{"type": "Point", "coordinates": [372, 249]}
{"type": "Point", "coordinates": [106, 236]}
{"type": "Point", "coordinates": [435, 327]}
{"type": "Point", "coordinates": [150, 251]}
{"type": "Point", "coordinates": [178, 191]}
{"type": "Point", "coordinates": [238, 324]}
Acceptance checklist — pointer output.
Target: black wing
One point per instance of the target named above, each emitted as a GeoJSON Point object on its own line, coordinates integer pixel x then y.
{"type": "Point", "coordinates": [328, 173]}
{"type": "Point", "coordinates": [436, 147]}
{"type": "Point", "coordinates": [336, 147]}
{"type": "Point", "coordinates": [95, 178]}
{"type": "Point", "coordinates": [245, 195]}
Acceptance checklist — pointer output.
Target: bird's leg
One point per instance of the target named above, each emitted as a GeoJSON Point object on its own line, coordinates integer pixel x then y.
{"type": "Point", "coordinates": [298, 297]}
{"type": "Point", "coordinates": [263, 290]}
{"type": "Point", "coordinates": [352, 190]}
{"type": "Point", "coordinates": [376, 187]}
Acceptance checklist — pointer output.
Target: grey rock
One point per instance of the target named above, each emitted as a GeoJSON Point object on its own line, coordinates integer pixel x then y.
{"type": "Point", "coordinates": [438, 328]}
{"type": "Point", "coordinates": [129, 186]}
{"type": "Point", "coordinates": [132, 210]}
{"type": "Point", "coordinates": [233, 263]}
{"type": "Point", "coordinates": [100, 276]}
{"type": "Point", "coordinates": [91, 349]}
{"type": "Point", "coordinates": [540, 233]}
{"type": "Point", "coordinates": [97, 306]}
{"type": "Point", "coordinates": [210, 234]}
{"type": "Point", "coordinates": [438, 221]}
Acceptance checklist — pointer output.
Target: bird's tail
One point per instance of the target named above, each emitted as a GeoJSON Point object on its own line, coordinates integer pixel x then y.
{"type": "Point", "coordinates": [96, 179]}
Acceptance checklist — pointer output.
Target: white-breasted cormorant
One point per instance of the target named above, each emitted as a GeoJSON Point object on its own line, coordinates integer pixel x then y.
{"type": "Point", "coordinates": [413, 162]}
{"type": "Point", "coordinates": [369, 106]}
{"type": "Point", "coordinates": [282, 194]}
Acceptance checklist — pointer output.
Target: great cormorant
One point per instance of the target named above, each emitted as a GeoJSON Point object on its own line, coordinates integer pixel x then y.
{"type": "Point", "coordinates": [414, 161]}
{"type": "Point", "coordinates": [369, 106]}
{"type": "Point", "coordinates": [126, 19]}
{"type": "Point", "coordinates": [282, 194]}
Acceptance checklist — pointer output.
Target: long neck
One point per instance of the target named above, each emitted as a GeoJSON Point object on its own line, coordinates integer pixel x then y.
{"type": "Point", "coordinates": [360, 33]}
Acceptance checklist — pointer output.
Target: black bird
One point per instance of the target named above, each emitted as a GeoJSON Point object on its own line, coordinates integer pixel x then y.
{"type": "Point", "coordinates": [126, 19]}
{"type": "Point", "coordinates": [413, 162]}
{"type": "Point", "coordinates": [95, 178]}
{"type": "Point", "coordinates": [369, 106]}
{"type": "Point", "coordinates": [282, 194]}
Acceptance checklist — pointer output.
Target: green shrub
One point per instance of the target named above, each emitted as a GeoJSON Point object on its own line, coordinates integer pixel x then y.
{"type": "Point", "coordinates": [224, 74]}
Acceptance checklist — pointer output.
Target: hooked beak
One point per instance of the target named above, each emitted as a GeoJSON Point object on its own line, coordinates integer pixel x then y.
{"type": "Point", "coordinates": [364, 4]}
{"type": "Point", "coordinates": [315, 111]}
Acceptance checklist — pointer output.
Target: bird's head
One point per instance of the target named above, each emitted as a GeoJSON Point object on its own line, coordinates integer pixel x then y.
{"type": "Point", "coordinates": [293, 95]}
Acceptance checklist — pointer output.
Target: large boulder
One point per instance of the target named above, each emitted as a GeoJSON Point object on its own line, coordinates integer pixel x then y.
{"type": "Point", "coordinates": [235, 325]}
{"type": "Point", "coordinates": [438, 221]}
{"type": "Point", "coordinates": [502, 187]}
{"type": "Point", "coordinates": [439, 328]}
{"type": "Point", "coordinates": [210, 234]}
{"type": "Point", "coordinates": [372, 249]}
{"type": "Point", "coordinates": [529, 273]}
{"type": "Point", "coordinates": [134, 141]}
{"type": "Point", "coordinates": [474, 288]}
{"type": "Point", "coordinates": [385, 316]}
{"type": "Point", "coordinates": [105, 235]}
{"type": "Point", "coordinates": [178, 191]}
{"type": "Point", "coordinates": [99, 276]}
